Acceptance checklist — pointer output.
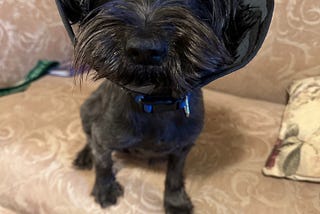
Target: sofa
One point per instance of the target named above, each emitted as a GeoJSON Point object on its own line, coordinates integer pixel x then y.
{"type": "Point", "coordinates": [40, 129]}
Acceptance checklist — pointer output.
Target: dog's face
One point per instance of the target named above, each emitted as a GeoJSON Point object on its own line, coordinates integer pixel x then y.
{"type": "Point", "coordinates": [166, 46]}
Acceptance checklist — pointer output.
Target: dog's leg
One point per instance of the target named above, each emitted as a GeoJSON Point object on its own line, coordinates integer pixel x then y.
{"type": "Point", "coordinates": [106, 189]}
{"type": "Point", "coordinates": [84, 158]}
{"type": "Point", "coordinates": [89, 110]}
{"type": "Point", "coordinates": [176, 200]}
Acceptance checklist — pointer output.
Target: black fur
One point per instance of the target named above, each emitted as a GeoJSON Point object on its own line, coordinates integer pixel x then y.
{"type": "Point", "coordinates": [189, 39]}
{"type": "Point", "coordinates": [113, 121]}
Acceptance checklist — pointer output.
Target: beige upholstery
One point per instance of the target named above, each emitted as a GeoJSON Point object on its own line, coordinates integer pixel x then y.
{"type": "Point", "coordinates": [31, 30]}
{"type": "Point", "coordinates": [40, 129]}
{"type": "Point", "coordinates": [41, 132]}
{"type": "Point", "coordinates": [291, 51]}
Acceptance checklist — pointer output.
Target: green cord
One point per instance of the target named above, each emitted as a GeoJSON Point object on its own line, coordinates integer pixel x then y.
{"type": "Point", "coordinates": [41, 69]}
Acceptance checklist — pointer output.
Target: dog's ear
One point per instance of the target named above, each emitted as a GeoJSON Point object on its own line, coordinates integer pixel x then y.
{"type": "Point", "coordinates": [243, 28]}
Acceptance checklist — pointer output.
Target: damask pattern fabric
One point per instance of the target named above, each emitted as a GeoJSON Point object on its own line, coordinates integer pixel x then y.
{"type": "Point", "coordinates": [290, 52]}
{"type": "Point", "coordinates": [297, 152]}
{"type": "Point", "coordinates": [30, 30]}
{"type": "Point", "coordinates": [40, 129]}
{"type": "Point", "coordinates": [40, 133]}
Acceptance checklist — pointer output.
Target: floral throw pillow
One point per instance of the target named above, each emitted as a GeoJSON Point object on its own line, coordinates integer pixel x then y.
{"type": "Point", "coordinates": [296, 154]}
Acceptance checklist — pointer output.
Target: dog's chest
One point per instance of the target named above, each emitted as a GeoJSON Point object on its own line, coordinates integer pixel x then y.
{"type": "Point", "coordinates": [161, 133]}
{"type": "Point", "coordinates": [155, 134]}
{"type": "Point", "coordinates": [121, 124]}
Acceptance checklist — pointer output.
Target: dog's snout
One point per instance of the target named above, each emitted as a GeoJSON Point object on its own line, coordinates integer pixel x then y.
{"type": "Point", "coordinates": [146, 51]}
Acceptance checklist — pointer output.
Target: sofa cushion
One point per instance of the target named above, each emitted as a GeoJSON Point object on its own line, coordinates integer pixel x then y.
{"type": "Point", "coordinates": [290, 52]}
{"type": "Point", "coordinates": [297, 152]}
{"type": "Point", "coordinates": [40, 133]}
{"type": "Point", "coordinates": [29, 31]}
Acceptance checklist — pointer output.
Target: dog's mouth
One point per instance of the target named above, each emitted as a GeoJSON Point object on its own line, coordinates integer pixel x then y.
{"type": "Point", "coordinates": [154, 80]}
{"type": "Point", "coordinates": [152, 90]}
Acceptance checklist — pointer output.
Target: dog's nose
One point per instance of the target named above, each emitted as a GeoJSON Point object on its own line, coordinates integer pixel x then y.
{"type": "Point", "coordinates": [146, 51]}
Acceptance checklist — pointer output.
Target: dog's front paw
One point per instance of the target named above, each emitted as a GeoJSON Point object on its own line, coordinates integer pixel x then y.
{"type": "Point", "coordinates": [107, 194]}
{"type": "Point", "coordinates": [84, 159]}
{"type": "Point", "coordinates": [177, 202]}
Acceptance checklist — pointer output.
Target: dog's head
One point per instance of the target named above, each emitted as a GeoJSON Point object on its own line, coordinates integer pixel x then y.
{"type": "Point", "coordinates": [165, 47]}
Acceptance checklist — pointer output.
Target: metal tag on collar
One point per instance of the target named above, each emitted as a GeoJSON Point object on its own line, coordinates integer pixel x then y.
{"type": "Point", "coordinates": [186, 105]}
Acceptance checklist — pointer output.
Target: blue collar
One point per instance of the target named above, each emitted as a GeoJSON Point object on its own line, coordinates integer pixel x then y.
{"type": "Point", "coordinates": [152, 104]}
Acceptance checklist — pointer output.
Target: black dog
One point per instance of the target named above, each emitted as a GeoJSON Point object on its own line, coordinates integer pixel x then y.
{"type": "Point", "coordinates": [154, 55]}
